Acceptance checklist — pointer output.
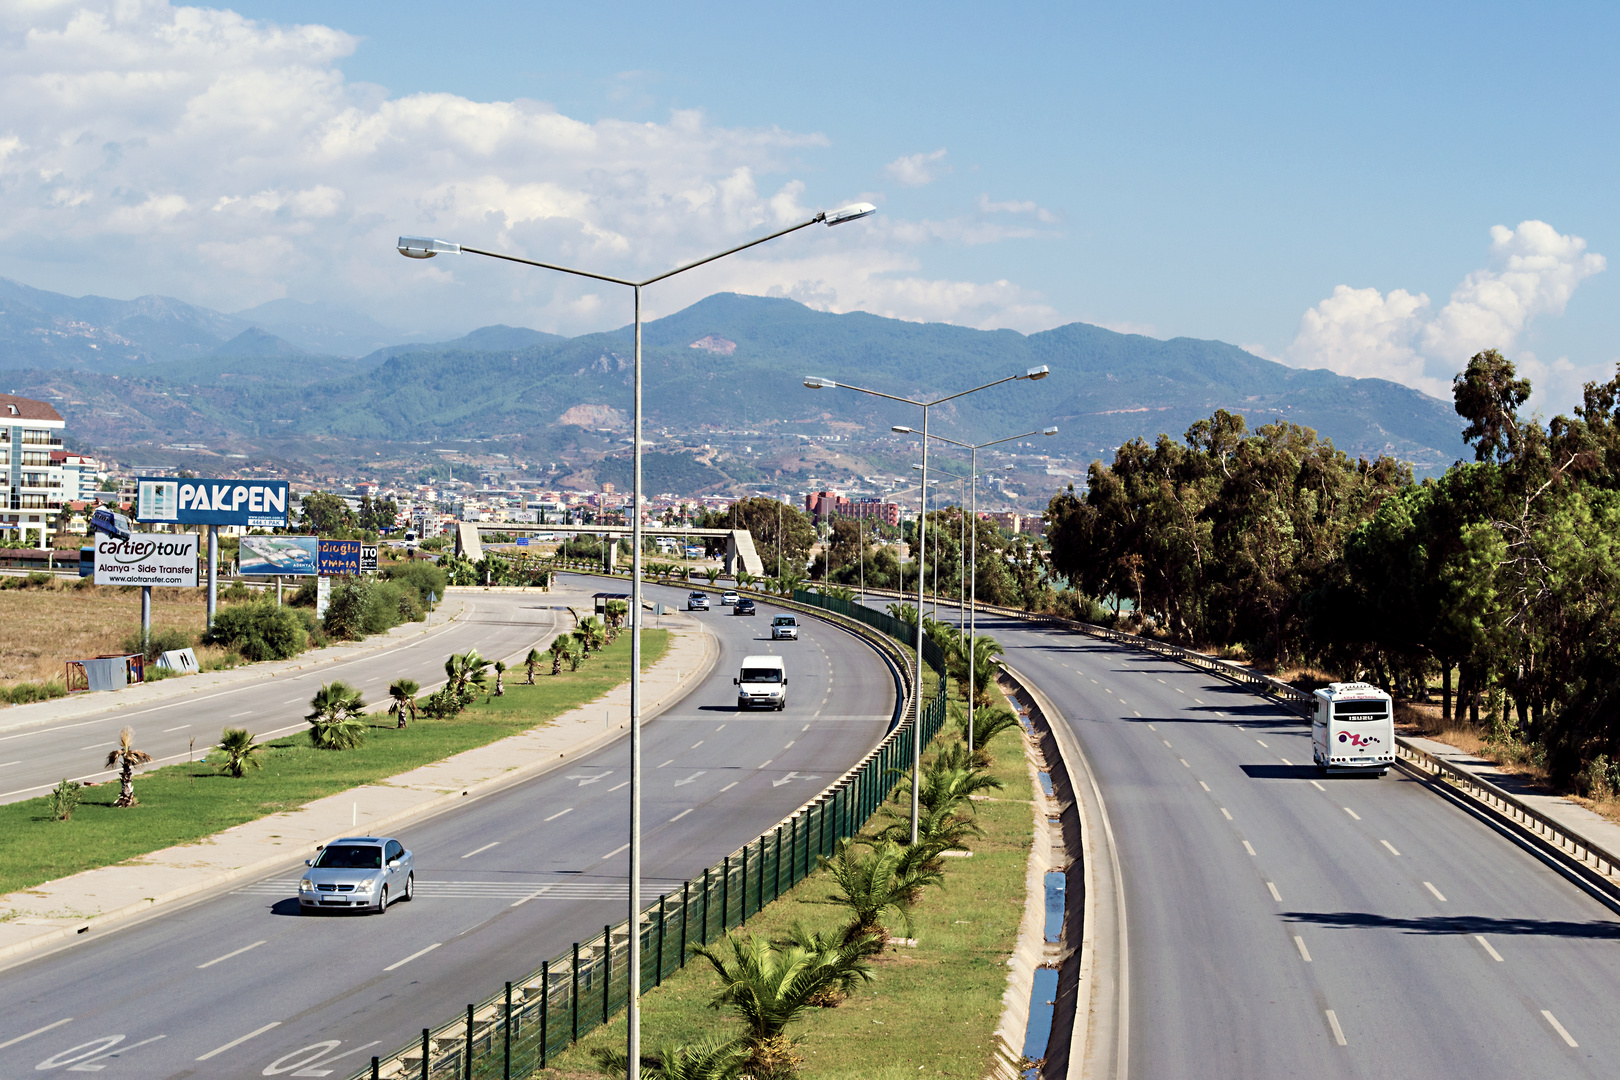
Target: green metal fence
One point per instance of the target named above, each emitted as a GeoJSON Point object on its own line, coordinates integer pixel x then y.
{"type": "Point", "coordinates": [526, 1024]}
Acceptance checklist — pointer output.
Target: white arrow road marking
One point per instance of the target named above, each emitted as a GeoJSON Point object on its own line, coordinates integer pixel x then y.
{"type": "Point", "coordinates": [790, 777]}
{"type": "Point", "coordinates": [587, 778]}
{"type": "Point", "coordinates": [691, 778]}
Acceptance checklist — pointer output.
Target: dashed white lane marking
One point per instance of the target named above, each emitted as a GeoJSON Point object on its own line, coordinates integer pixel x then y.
{"type": "Point", "coordinates": [1094, 682]}
{"type": "Point", "coordinates": [1262, 743]}
{"type": "Point", "coordinates": [1203, 785]}
{"type": "Point", "coordinates": [762, 764]}
{"type": "Point", "coordinates": [731, 785]}
{"type": "Point", "coordinates": [1333, 1022]}
{"type": "Point", "coordinates": [541, 891]}
{"type": "Point", "coordinates": [615, 851]}
{"type": "Point", "coordinates": [1317, 786]}
{"type": "Point", "coordinates": [1438, 895]}
{"type": "Point", "coordinates": [292, 701]}
{"type": "Point", "coordinates": [1487, 947]}
{"type": "Point", "coordinates": [4, 764]}
{"type": "Point", "coordinates": [805, 728]}
{"type": "Point", "coordinates": [789, 746]}
{"type": "Point", "coordinates": [414, 955]}
{"type": "Point", "coordinates": [1304, 953]}
{"type": "Point", "coordinates": [1285, 761]}
{"type": "Point", "coordinates": [36, 1031]}
{"type": "Point", "coordinates": [1138, 713]}
{"type": "Point", "coordinates": [1227, 813]}
{"type": "Point", "coordinates": [1199, 700]}
{"type": "Point", "coordinates": [671, 761]}
{"type": "Point", "coordinates": [1122, 701]}
{"type": "Point", "coordinates": [1389, 845]}
{"type": "Point", "coordinates": [234, 1043]}
{"type": "Point", "coordinates": [1352, 813]}
{"type": "Point", "coordinates": [722, 727]}
{"type": "Point", "coordinates": [1275, 895]}
{"type": "Point", "coordinates": [479, 851]}
{"type": "Point", "coordinates": [247, 712]}
{"type": "Point", "coordinates": [697, 744]}
{"type": "Point", "coordinates": [1562, 1034]}
{"type": "Point", "coordinates": [616, 787]}
{"type": "Point", "coordinates": [1161, 682]}
{"type": "Point", "coordinates": [560, 813]}
{"type": "Point", "coordinates": [1184, 762]}
{"type": "Point", "coordinates": [1165, 741]}
{"type": "Point", "coordinates": [682, 814]}
{"type": "Point", "coordinates": [182, 727]}
{"type": "Point", "coordinates": [1152, 728]}
{"type": "Point", "coordinates": [1179, 690]}
{"type": "Point", "coordinates": [228, 955]}
{"type": "Point", "coordinates": [1248, 847]}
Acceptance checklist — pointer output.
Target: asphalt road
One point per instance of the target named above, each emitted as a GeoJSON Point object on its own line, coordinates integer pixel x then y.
{"type": "Point", "coordinates": [503, 883]}
{"type": "Point", "coordinates": [33, 759]}
{"type": "Point", "coordinates": [1283, 924]}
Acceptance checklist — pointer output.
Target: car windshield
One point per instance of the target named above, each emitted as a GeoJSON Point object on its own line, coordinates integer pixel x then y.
{"type": "Point", "coordinates": [351, 857]}
{"type": "Point", "coordinates": [761, 674]}
{"type": "Point", "coordinates": [783, 620]}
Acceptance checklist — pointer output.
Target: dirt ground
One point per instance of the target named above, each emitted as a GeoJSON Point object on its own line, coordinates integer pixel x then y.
{"type": "Point", "coordinates": [43, 627]}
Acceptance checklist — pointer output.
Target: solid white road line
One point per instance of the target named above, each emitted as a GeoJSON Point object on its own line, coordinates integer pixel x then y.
{"type": "Point", "coordinates": [1487, 947]}
{"type": "Point", "coordinates": [1389, 845]}
{"type": "Point", "coordinates": [1248, 847]}
{"type": "Point", "coordinates": [1553, 1020]}
{"type": "Point", "coordinates": [1304, 953]}
{"type": "Point", "coordinates": [615, 851]}
{"type": "Point", "coordinates": [1203, 785]}
{"type": "Point", "coordinates": [731, 785]}
{"type": "Point", "coordinates": [541, 891]}
{"type": "Point", "coordinates": [1352, 813]}
{"type": "Point", "coordinates": [1317, 786]}
{"type": "Point", "coordinates": [1437, 894]}
{"type": "Point", "coordinates": [1227, 813]}
{"type": "Point", "coordinates": [479, 851]}
{"type": "Point", "coordinates": [182, 727]}
{"type": "Point", "coordinates": [682, 814]}
{"type": "Point", "coordinates": [560, 813]}
{"type": "Point", "coordinates": [1333, 1022]}
{"type": "Point", "coordinates": [616, 787]}
{"type": "Point", "coordinates": [228, 955]}
{"type": "Point", "coordinates": [36, 1031]}
{"type": "Point", "coordinates": [1275, 895]}
{"type": "Point", "coordinates": [413, 956]}
{"type": "Point", "coordinates": [238, 1042]}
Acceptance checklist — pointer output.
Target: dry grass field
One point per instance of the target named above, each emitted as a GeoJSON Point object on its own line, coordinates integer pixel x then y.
{"type": "Point", "coordinates": [42, 627]}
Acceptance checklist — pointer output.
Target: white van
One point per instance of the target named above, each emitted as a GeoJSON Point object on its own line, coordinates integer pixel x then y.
{"type": "Point", "coordinates": [762, 683]}
{"type": "Point", "coordinates": [1353, 730]}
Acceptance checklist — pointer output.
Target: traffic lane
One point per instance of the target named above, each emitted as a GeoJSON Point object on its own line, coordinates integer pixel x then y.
{"type": "Point", "coordinates": [35, 759]}
{"type": "Point", "coordinates": [456, 934]}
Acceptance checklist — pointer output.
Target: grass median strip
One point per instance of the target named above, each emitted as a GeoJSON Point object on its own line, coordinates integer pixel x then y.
{"type": "Point", "coordinates": [931, 1008]}
{"type": "Point", "coordinates": [187, 802]}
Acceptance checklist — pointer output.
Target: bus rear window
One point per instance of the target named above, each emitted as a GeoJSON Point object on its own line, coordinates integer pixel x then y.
{"type": "Point", "coordinates": [1360, 708]}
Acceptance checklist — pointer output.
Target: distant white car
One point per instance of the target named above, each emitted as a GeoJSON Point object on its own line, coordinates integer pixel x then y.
{"type": "Point", "coordinates": [784, 628]}
{"type": "Point", "coordinates": [697, 601]}
{"type": "Point", "coordinates": [729, 597]}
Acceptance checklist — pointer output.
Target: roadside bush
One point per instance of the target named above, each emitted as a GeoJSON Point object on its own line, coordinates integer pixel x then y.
{"type": "Point", "coordinates": [165, 639]}
{"type": "Point", "coordinates": [220, 663]}
{"type": "Point", "coordinates": [64, 799]}
{"type": "Point", "coordinates": [24, 692]}
{"type": "Point", "coordinates": [239, 592]}
{"type": "Point", "coordinates": [304, 596]}
{"type": "Point", "coordinates": [259, 631]}
{"type": "Point", "coordinates": [423, 576]}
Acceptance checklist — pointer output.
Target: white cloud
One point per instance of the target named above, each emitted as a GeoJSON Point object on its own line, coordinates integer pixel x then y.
{"type": "Point", "coordinates": [1533, 271]}
{"type": "Point", "coordinates": [915, 170]}
{"type": "Point", "coordinates": [192, 151]}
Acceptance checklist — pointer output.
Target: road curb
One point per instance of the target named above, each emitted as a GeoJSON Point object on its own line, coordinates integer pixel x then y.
{"type": "Point", "coordinates": [36, 945]}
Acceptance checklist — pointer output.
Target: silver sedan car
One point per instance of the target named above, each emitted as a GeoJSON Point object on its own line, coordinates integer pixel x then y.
{"type": "Point", "coordinates": [368, 872]}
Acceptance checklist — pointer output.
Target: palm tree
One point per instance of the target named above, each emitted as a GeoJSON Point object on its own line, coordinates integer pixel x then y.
{"type": "Point", "coordinates": [708, 1060]}
{"type": "Point", "coordinates": [616, 612]}
{"type": "Point", "coordinates": [906, 613]}
{"type": "Point", "coordinates": [334, 717]}
{"type": "Point", "coordinates": [769, 987]}
{"type": "Point", "coordinates": [240, 752]}
{"type": "Point", "coordinates": [403, 691]}
{"type": "Point", "coordinates": [890, 877]}
{"type": "Point", "coordinates": [532, 661]}
{"type": "Point", "coordinates": [985, 651]}
{"type": "Point", "coordinates": [987, 724]}
{"type": "Point", "coordinates": [126, 757]}
{"type": "Point", "coordinates": [500, 671]}
{"type": "Point", "coordinates": [559, 650]}
{"type": "Point", "coordinates": [464, 674]}
{"type": "Point", "coordinates": [712, 573]}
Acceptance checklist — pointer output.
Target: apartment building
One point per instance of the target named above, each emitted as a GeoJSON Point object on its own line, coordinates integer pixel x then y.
{"type": "Point", "coordinates": [36, 487]}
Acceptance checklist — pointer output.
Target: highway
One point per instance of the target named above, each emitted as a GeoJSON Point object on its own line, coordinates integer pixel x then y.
{"type": "Point", "coordinates": [1282, 924]}
{"type": "Point", "coordinates": [497, 624]}
{"type": "Point", "coordinates": [240, 984]}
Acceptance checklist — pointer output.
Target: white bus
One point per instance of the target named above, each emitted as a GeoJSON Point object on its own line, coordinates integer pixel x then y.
{"type": "Point", "coordinates": [1353, 730]}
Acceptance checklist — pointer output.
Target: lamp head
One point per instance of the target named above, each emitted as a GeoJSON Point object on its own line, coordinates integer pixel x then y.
{"type": "Point", "coordinates": [916, 468]}
{"type": "Point", "coordinates": [424, 247]}
{"type": "Point", "coordinates": [1049, 431]}
{"type": "Point", "coordinates": [848, 213]}
{"type": "Point", "coordinates": [901, 429]}
{"type": "Point", "coordinates": [1035, 373]}
{"type": "Point", "coordinates": [816, 382]}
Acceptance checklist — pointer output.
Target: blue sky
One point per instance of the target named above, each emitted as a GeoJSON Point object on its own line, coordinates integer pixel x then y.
{"type": "Point", "coordinates": [1177, 169]}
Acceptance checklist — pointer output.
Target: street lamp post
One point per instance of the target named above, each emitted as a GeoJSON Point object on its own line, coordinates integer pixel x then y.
{"type": "Point", "coordinates": [420, 247]}
{"type": "Point", "coordinates": [973, 609]}
{"type": "Point", "coordinates": [815, 382]}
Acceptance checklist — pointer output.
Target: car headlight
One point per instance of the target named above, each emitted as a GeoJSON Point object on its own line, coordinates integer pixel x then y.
{"type": "Point", "coordinates": [306, 885]}
{"type": "Point", "coordinates": [366, 884]}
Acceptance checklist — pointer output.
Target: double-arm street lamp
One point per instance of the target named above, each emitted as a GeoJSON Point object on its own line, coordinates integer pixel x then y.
{"type": "Point", "coordinates": [421, 247]}
{"type": "Point", "coordinates": [973, 611]}
{"type": "Point", "coordinates": [815, 382]}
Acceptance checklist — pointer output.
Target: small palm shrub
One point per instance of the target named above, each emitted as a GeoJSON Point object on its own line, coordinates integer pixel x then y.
{"type": "Point", "coordinates": [237, 752]}
{"type": "Point", "coordinates": [64, 798]}
{"type": "Point", "coordinates": [334, 719]}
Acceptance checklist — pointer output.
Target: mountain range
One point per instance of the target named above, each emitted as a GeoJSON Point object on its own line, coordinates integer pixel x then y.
{"type": "Point", "coordinates": [154, 370]}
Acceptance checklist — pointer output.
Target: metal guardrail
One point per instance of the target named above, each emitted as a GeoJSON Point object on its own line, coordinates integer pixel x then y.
{"type": "Point", "coordinates": [523, 1026]}
{"type": "Point", "coordinates": [1513, 811]}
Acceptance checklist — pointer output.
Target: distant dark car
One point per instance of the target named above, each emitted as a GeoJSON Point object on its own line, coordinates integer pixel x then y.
{"type": "Point", "coordinates": [744, 606]}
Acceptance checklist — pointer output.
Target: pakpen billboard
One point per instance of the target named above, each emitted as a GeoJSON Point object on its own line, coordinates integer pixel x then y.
{"type": "Point", "coordinates": [251, 504]}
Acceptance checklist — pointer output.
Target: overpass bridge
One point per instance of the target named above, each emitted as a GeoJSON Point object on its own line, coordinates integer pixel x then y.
{"type": "Point", "coordinates": [740, 552]}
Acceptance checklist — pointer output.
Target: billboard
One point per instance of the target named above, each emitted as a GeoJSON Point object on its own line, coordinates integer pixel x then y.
{"type": "Point", "coordinates": [252, 504]}
{"type": "Point", "coordinates": [340, 557]}
{"type": "Point", "coordinates": [147, 559]}
{"type": "Point", "coordinates": [295, 556]}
